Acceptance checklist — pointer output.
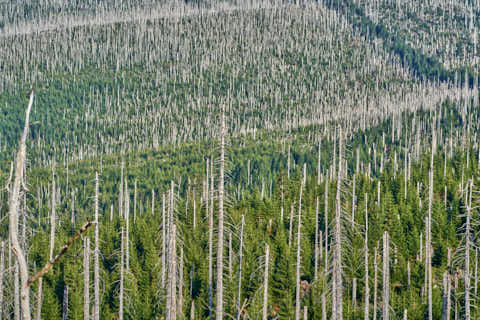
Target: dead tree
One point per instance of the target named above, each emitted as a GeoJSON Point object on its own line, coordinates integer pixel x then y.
{"type": "Point", "coordinates": [13, 218]}
{"type": "Point", "coordinates": [86, 279]}
{"type": "Point", "coordinates": [299, 226]}
{"type": "Point", "coordinates": [219, 306]}
{"type": "Point", "coordinates": [96, 257]}
{"type": "Point", "coordinates": [386, 277]}
{"type": "Point", "coordinates": [265, 283]}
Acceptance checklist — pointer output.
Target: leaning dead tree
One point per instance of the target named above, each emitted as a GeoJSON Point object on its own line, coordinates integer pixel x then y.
{"type": "Point", "coordinates": [13, 217]}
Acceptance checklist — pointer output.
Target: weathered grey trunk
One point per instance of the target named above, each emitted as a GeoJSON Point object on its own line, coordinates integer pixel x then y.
{"type": "Point", "coordinates": [2, 275]}
{"type": "Point", "coordinates": [52, 218]}
{"type": "Point", "coordinates": [446, 293]}
{"type": "Point", "coordinates": [240, 256]}
{"type": "Point", "coordinates": [354, 293]}
{"type": "Point", "coordinates": [367, 286]}
{"type": "Point", "coordinates": [265, 283]}
{"type": "Point", "coordinates": [316, 245]}
{"type": "Point", "coordinates": [326, 225]}
{"type": "Point", "coordinates": [16, 292]}
{"type": "Point", "coordinates": [126, 196]}
{"type": "Point", "coordinates": [290, 227]}
{"type": "Point", "coordinates": [428, 252]}
{"type": "Point", "coordinates": [171, 309]}
{"type": "Point", "coordinates": [467, 253]}
{"type": "Point", "coordinates": [324, 307]}
{"type": "Point", "coordinates": [13, 218]}
{"type": "Point", "coordinates": [210, 249]}
{"type": "Point", "coordinates": [375, 282]}
{"type": "Point", "coordinates": [297, 281]}
{"type": "Point", "coordinates": [86, 279]}
{"type": "Point", "coordinates": [353, 201]}
{"type": "Point", "coordinates": [180, 286]}
{"type": "Point", "coordinates": [65, 303]}
{"type": "Point", "coordinates": [38, 310]}
{"type": "Point", "coordinates": [122, 274]}
{"type": "Point", "coordinates": [164, 240]}
{"type": "Point", "coordinates": [337, 260]}
{"type": "Point", "coordinates": [192, 310]}
{"type": "Point", "coordinates": [96, 257]}
{"type": "Point", "coordinates": [386, 277]}
{"type": "Point", "coordinates": [135, 201]}
{"type": "Point", "coordinates": [219, 306]}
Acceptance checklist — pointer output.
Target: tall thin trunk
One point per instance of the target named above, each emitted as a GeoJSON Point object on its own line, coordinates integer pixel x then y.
{"type": "Point", "coordinates": [96, 257]}
{"type": "Point", "coordinates": [13, 218]}
{"type": "Point", "coordinates": [171, 309]}
{"type": "Point", "coordinates": [164, 240]}
{"type": "Point", "coordinates": [297, 281]}
{"type": "Point", "coordinates": [324, 307]}
{"type": "Point", "coordinates": [240, 256]}
{"type": "Point", "coordinates": [428, 251]}
{"type": "Point", "coordinates": [367, 287]}
{"type": "Point", "coordinates": [445, 296]}
{"type": "Point", "coordinates": [375, 282]}
{"type": "Point", "coordinates": [210, 250]}
{"type": "Point", "coordinates": [122, 274]}
{"type": "Point", "coordinates": [326, 224]}
{"type": "Point", "coordinates": [467, 253]}
{"type": "Point", "coordinates": [65, 303]}
{"type": "Point", "coordinates": [180, 286]}
{"type": "Point", "coordinates": [219, 306]}
{"type": "Point", "coordinates": [16, 292]}
{"type": "Point", "coordinates": [265, 283]}
{"type": "Point", "coordinates": [386, 277]}
{"type": "Point", "coordinates": [52, 218]}
{"type": "Point", "coordinates": [2, 275]}
{"type": "Point", "coordinates": [38, 310]}
{"type": "Point", "coordinates": [353, 201]}
{"type": "Point", "coordinates": [337, 263]}
{"type": "Point", "coordinates": [135, 201]}
{"type": "Point", "coordinates": [354, 293]}
{"type": "Point", "coordinates": [316, 244]}
{"type": "Point", "coordinates": [86, 279]}
{"type": "Point", "coordinates": [126, 215]}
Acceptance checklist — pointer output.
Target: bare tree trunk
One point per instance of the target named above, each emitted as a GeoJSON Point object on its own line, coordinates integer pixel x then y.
{"type": "Point", "coordinates": [38, 310]}
{"type": "Point", "coordinates": [316, 248]}
{"type": "Point", "coordinates": [192, 310]}
{"type": "Point", "coordinates": [337, 261]}
{"type": "Point", "coordinates": [2, 275]}
{"type": "Point", "coordinates": [297, 281]}
{"type": "Point", "coordinates": [386, 277]}
{"type": "Point", "coordinates": [467, 254]}
{"type": "Point", "coordinates": [180, 286]}
{"type": "Point", "coordinates": [367, 287]}
{"type": "Point", "coordinates": [13, 218]}
{"type": "Point", "coordinates": [445, 296]}
{"type": "Point", "coordinates": [172, 275]}
{"type": "Point", "coordinates": [86, 280]}
{"type": "Point", "coordinates": [354, 293]}
{"type": "Point", "coordinates": [16, 291]}
{"type": "Point", "coordinates": [428, 252]}
{"type": "Point", "coordinates": [210, 250]}
{"type": "Point", "coordinates": [326, 224]}
{"type": "Point", "coordinates": [135, 202]}
{"type": "Point", "coordinates": [375, 282]}
{"type": "Point", "coordinates": [290, 227]}
{"type": "Point", "coordinates": [65, 303]}
{"type": "Point", "coordinates": [240, 256]}
{"type": "Point", "coordinates": [126, 215]}
{"type": "Point", "coordinates": [164, 240]}
{"type": "Point", "coordinates": [219, 306]}
{"type": "Point", "coordinates": [96, 257]}
{"type": "Point", "coordinates": [230, 257]}
{"type": "Point", "coordinates": [324, 307]}
{"type": "Point", "coordinates": [52, 217]}
{"type": "Point", "coordinates": [265, 283]}
{"type": "Point", "coordinates": [122, 275]}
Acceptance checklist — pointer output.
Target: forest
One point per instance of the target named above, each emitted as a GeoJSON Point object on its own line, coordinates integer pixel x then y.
{"type": "Point", "coordinates": [222, 159]}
